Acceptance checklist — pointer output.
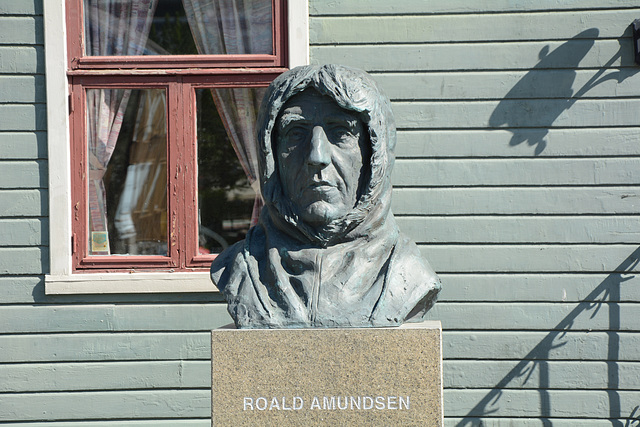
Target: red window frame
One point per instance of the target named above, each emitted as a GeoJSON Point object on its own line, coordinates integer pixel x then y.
{"type": "Point", "coordinates": [179, 76]}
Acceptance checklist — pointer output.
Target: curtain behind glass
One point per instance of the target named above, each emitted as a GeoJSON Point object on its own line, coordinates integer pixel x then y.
{"type": "Point", "coordinates": [238, 109]}
{"type": "Point", "coordinates": [231, 27]}
{"type": "Point", "coordinates": [235, 27]}
{"type": "Point", "coordinates": [112, 27]}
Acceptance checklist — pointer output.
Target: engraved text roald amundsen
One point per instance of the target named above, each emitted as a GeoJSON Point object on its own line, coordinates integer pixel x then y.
{"type": "Point", "coordinates": [297, 403]}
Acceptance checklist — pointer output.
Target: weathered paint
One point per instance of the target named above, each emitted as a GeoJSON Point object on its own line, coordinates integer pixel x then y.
{"type": "Point", "coordinates": [139, 423]}
{"type": "Point", "coordinates": [384, 7]}
{"type": "Point", "coordinates": [486, 27]}
{"type": "Point", "coordinates": [516, 200]}
{"type": "Point", "coordinates": [465, 345]}
{"type": "Point", "coordinates": [23, 117]}
{"type": "Point", "coordinates": [524, 346]}
{"type": "Point", "coordinates": [542, 83]}
{"type": "Point", "coordinates": [568, 375]}
{"type": "Point", "coordinates": [24, 260]}
{"type": "Point", "coordinates": [531, 422]}
{"type": "Point", "coordinates": [24, 174]}
{"type": "Point", "coordinates": [25, 7]}
{"type": "Point", "coordinates": [522, 229]}
{"type": "Point", "coordinates": [113, 317]}
{"type": "Point", "coordinates": [458, 258]}
{"type": "Point", "coordinates": [113, 405]}
{"type": "Point", "coordinates": [22, 88]}
{"type": "Point", "coordinates": [21, 30]}
{"type": "Point", "coordinates": [196, 403]}
{"type": "Point", "coordinates": [552, 287]}
{"type": "Point", "coordinates": [488, 316]}
{"type": "Point", "coordinates": [516, 172]}
{"type": "Point", "coordinates": [520, 403]}
{"type": "Point", "coordinates": [477, 56]}
{"type": "Point", "coordinates": [177, 374]}
{"type": "Point", "coordinates": [531, 316]}
{"type": "Point", "coordinates": [21, 59]}
{"type": "Point", "coordinates": [532, 113]}
{"type": "Point", "coordinates": [22, 203]}
{"type": "Point", "coordinates": [24, 232]}
{"type": "Point", "coordinates": [454, 143]}
{"type": "Point", "coordinates": [138, 375]}
{"type": "Point", "coordinates": [123, 346]}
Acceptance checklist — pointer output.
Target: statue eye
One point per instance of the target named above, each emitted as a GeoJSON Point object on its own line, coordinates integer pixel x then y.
{"type": "Point", "coordinates": [341, 133]}
{"type": "Point", "coordinates": [296, 134]}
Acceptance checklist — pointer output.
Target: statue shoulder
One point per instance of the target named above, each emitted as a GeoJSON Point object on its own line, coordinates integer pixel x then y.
{"type": "Point", "coordinates": [408, 259]}
{"type": "Point", "coordinates": [411, 276]}
{"type": "Point", "coordinates": [227, 265]}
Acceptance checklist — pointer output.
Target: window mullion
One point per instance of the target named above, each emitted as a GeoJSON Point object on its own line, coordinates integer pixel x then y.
{"type": "Point", "coordinates": [175, 170]}
{"type": "Point", "coordinates": [190, 174]}
{"type": "Point", "coordinates": [78, 177]}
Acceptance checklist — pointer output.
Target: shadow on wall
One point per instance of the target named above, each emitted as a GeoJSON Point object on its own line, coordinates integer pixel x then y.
{"type": "Point", "coordinates": [530, 119]}
{"type": "Point", "coordinates": [606, 292]}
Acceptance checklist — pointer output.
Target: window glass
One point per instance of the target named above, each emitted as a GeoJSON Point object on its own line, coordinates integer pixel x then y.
{"type": "Point", "coordinates": [227, 203]}
{"type": "Point", "coordinates": [177, 27]}
{"type": "Point", "coordinates": [127, 152]}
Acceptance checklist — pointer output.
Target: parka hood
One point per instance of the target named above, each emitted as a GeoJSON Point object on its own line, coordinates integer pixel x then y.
{"type": "Point", "coordinates": [352, 90]}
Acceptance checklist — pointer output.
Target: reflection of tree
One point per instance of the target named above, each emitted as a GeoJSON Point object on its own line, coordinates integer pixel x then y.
{"type": "Point", "coordinates": [219, 172]}
{"type": "Point", "coordinates": [117, 169]}
{"type": "Point", "coordinates": [173, 34]}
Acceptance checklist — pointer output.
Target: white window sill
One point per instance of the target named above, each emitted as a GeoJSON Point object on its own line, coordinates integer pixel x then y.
{"type": "Point", "coordinates": [128, 283]}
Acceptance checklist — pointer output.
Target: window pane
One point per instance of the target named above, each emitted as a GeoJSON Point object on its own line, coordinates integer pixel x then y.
{"type": "Point", "coordinates": [177, 27]}
{"type": "Point", "coordinates": [225, 132]}
{"type": "Point", "coordinates": [127, 191]}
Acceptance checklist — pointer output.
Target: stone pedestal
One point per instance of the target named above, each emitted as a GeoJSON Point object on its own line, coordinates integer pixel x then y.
{"type": "Point", "coordinates": [350, 377]}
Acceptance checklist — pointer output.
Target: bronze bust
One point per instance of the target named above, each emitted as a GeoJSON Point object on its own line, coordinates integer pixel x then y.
{"type": "Point", "coordinates": [326, 251]}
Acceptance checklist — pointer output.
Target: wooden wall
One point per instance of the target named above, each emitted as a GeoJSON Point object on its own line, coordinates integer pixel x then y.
{"type": "Point", "coordinates": [517, 173]}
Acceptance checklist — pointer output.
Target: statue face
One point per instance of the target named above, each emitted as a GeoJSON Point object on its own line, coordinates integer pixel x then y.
{"type": "Point", "coordinates": [322, 151]}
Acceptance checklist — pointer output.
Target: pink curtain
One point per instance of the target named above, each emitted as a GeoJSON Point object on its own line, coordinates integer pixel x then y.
{"type": "Point", "coordinates": [112, 28]}
{"type": "Point", "coordinates": [231, 27]}
{"type": "Point", "coordinates": [235, 27]}
{"type": "Point", "coordinates": [238, 108]}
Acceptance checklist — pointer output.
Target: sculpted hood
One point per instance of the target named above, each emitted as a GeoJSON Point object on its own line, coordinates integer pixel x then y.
{"type": "Point", "coordinates": [352, 90]}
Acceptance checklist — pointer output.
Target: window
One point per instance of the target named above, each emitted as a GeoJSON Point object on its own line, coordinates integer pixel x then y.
{"type": "Point", "coordinates": [162, 98]}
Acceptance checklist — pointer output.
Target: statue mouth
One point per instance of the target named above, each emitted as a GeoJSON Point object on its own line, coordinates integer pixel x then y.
{"type": "Point", "coordinates": [322, 185]}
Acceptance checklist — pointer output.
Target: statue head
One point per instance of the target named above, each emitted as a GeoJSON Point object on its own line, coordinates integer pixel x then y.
{"type": "Point", "coordinates": [327, 136]}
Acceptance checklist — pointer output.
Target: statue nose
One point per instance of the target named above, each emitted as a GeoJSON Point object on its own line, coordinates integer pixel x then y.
{"type": "Point", "coordinates": [319, 152]}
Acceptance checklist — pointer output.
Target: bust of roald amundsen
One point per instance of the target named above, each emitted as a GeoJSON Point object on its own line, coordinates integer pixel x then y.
{"type": "Point", "coordinates": [326, 251]}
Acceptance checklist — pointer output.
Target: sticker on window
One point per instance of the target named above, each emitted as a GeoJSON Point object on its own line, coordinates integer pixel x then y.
{"type": "Point", "coordinates": [99, 241]}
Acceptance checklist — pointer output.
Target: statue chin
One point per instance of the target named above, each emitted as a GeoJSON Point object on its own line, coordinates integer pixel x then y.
{"type": "Point", "coordinates": [320, 214]}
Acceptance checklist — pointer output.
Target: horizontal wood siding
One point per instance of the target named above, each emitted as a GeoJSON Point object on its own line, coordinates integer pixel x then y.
{"type": "Point", "coordinates": [517, 174]}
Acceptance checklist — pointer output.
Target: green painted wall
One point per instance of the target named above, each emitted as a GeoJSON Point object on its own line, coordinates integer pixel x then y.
{"type": "Point", "coordinates": [517, 173]}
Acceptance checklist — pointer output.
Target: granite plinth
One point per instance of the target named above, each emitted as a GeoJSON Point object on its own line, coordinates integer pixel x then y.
{"type": "Point", "coordinates": [364, 376]}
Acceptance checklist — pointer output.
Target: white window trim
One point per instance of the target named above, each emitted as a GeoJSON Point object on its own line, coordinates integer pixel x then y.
{"type": "Point", "coordinates": [61, 279]}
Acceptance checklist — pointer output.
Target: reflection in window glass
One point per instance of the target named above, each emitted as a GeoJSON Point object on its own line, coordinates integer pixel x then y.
{"type": "Point", "coordinates": [127, 149]}
{"type": "Point", "coordinates": [227, 165]}
{"type": "Point", "coordinates": [176, 27]}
